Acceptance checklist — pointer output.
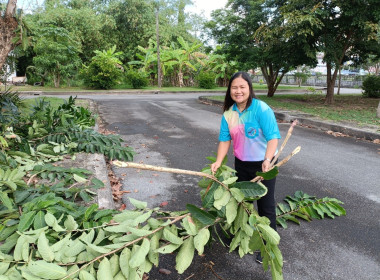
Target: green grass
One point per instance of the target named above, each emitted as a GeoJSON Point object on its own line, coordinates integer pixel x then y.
{"type": "Point", "coordinates": [54, 101]}
{"type": "Point", "coordinates": [346, 108]}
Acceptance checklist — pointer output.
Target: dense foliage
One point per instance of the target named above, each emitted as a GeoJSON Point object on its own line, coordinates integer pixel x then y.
{"type": "Point", "coordinates": [104, 71]}
{"type": "Point", "coordinates": [371, 86]}
{"type": "Point", "coordinates": [137, 79]}
{"type": "Point", "coordinates": [206, 80]}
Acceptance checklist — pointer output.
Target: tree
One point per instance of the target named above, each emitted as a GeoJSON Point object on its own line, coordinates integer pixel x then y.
{"type": "Point", "coordinates": [56, 53]}
{"type": "Point", "coordinates": [346, 31]}
{"type": "Point", "coordinates": [104, 71]}
{"type": "Point", "coordinates": [183, 57]}
{"type": "Point", "coordinates": [257, 34]}
{"type": "Point", "coordinates": [90, 28]}
{"type": "Point", "coordinates": [8, 26]}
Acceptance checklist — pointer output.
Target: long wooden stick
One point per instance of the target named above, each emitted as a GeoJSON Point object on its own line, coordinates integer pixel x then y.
{"type": "Point", "coordinates": [165, 169]}
{"type": "Point", "coordinates": [285, 160]}
{"type": "Point", "coordinates": [294, 123]}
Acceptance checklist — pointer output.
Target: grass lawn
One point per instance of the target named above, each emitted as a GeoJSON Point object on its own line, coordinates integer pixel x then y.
{"type": "Point", "coordinates": [351, 108]}
{"type": "Point", "coordinates": [54, 101]}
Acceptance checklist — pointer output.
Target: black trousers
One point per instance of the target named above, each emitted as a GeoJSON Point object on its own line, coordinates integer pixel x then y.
{"type": "Point", "coordinates": [266, 206]}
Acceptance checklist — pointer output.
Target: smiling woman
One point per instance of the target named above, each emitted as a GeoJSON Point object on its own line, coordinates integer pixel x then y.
{"type": "Point", "coordinates": [251, 126]}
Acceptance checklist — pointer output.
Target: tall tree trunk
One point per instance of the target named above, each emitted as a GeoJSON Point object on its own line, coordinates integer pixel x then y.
{"type": "Point", "coordinates": [8, 25]}
{"type": "Point", "coordinates": [159, 75]}
{"type": "Point", "coordinates": [180, 78]}
{"type": "Point", "coordinates": [271, 79]}
{"type": "Point", "coordinates": [340, 79]}
{"type": "Point", "coordinates": [331, 77]}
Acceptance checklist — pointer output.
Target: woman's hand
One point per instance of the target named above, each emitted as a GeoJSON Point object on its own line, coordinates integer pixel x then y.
{"type": "Point", "coordinates": [265, 165]}
{"type": "Point", "coordinates": [215, 166]}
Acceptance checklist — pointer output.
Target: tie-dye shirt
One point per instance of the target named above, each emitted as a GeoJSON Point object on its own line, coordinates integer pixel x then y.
{"type": "Point", "coordinates": [250, 130]}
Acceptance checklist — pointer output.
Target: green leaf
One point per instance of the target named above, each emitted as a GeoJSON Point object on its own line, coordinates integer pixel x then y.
{"type": "Point", "coordinates": [89, 211]}
{"type": "Point", "coordinates": [237, 194]}
{"type": "Point", "coordinates": [251, 190]}
{"type": "Point", "coordinates": [208, 199]}
{"type": "Point", "coordinates": [26, 221]}
{"type": "Point", "coordinates": [138, 258]}
{"type": "Point", "coordinates": [3, 268]}
{"type": "Point", "coordinates": [46, 270]}
{"type": "Point", "coordinates": [201, 239]}
{"type": "Point", "coordinates": [171, 237]}
{"type": "Point", "coordinates": [70, 223]}
{"type": "Point", "coordinates": [230, 180]}
{"type": "Point", "coordinates": [43, 248]}
{"type": "Point", "coordinates": [39, 220]}
{"type": "Point", "coordinates": [222, 200]}
{"type": "Point", "coordinates": [98, 249]}
{"type": "Point", "coordinates": [168, 249]}
{"type": "Point", "coordinates": [202, 216]}
{"type": "Point", "coordinates": [231, 210]}
{"type": "Point", "coordinates": [138, 204]}
{"type": "Point", "coordinates": [79, 179]}
{"type": "Point", "coordinates": [124, 261]}
{"type": "Point", "coordinates": [268, 175]}
{"type": "Point", "coordinates": [104, 270]}
{"type": "Point", "coordinates": [185, 255]}
{"type": "Point", "coordinates": [189, 225]}
{"type": "Point", "coordinates": [269, 234]}
{"type": "Point", "coordinates": [5, 200]}
{"type": "Point", "coordinates": [139, 232]}
{"type": "Point", "coordinates": [114, 262]}
{"type": "Point", "coordinates": [154, 244]}
{"type": "Point", "coordinates": [84, 275]}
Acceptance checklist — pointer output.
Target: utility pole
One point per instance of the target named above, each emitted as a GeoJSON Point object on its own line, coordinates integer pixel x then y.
{"type": "Point", "coordinates": [159, 75]}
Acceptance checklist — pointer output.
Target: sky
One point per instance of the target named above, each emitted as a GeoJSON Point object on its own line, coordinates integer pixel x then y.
{"type": "Point", "coordinates": [206, 6]}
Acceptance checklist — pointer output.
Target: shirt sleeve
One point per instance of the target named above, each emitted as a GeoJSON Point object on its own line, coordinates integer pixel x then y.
{"type": "Point", "coordinates": [224, 134]}
{"type": "Point", "coordinates": [268, 124]}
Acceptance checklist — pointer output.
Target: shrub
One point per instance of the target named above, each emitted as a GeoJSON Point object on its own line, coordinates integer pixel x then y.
{"type": "Point", "coordinates": [104, 71]}
{"type": "Point", "coordinates": [137, 79]}
{"type": "Point", "coordinates": [371, 86]}
{"type": "Point", "coordinates": [206, 80]}
{"type": "Point", "coordinates": [9, 102]}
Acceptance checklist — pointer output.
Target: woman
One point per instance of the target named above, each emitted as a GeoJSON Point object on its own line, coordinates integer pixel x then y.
{"type": "Point", "coordinates": [251, 125]}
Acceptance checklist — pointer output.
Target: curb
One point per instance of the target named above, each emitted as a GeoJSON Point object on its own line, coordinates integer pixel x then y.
{"type": "Point", "coordinates": [314, 122]}
{"type": "Point", "coordinates": [98, 162]}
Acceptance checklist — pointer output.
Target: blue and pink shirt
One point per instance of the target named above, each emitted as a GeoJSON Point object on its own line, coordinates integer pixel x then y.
{"type": "Point", "coordinates": [249, 130]}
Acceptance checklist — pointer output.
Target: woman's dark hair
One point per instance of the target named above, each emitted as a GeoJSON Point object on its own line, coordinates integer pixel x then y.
{"type": "Point", "coordinates": [228, 102]}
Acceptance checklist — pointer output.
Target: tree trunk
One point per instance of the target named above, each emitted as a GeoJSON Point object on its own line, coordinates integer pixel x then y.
{"type": "Point", "coordinates": [331, 77]}
{"type": "Point", "coordinates": [159, 75]}
{"type": "Point", "coordinates": [180, 78]}
{"type": "Point", "coordinates": [8, 25]}
{"type": "Point", "coordinates": [378, 111]}
{"type": "Point", "coordinates": [340, 79]}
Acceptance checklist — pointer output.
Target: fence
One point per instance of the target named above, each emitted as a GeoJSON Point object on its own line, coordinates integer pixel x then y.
{"type": "Point", "coordinates": [319, 81]}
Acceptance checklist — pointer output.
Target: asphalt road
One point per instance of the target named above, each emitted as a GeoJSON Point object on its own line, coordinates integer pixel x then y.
{"type": "Point", "coordinates": [175, 130]}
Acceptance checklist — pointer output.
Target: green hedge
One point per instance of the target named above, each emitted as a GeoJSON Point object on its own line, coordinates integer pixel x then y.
{"type": "Point", "coordinates": [371, 86]}
{"type": "Point", "coordinates": [206, 80]}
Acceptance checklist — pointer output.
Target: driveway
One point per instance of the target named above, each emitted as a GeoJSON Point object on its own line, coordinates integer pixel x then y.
{"type": "Point", "coordinates": [174, 130]}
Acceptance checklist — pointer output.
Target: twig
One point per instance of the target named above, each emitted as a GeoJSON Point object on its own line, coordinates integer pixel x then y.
{"type": "Point", "coordinates": [191, 276]}
{"type": "Point", "coordinates": [165, 169]}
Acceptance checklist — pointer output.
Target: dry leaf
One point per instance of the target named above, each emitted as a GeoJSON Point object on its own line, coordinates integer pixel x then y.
{"type": "Point", "coordinates": [164, 271]}
{"type": "Point", "coordinates": [164, 203]}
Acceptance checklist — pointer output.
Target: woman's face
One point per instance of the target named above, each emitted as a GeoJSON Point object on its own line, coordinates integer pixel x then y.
{"type": "Point", "coordinates": [239, 91]}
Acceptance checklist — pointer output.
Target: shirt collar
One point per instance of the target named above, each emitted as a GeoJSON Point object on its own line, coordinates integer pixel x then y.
{"type": "Point", "coordinates": [235, 108]}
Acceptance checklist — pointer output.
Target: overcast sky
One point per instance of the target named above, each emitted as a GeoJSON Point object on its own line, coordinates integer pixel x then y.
{"type": "Point", "coordinates": [206, 6]}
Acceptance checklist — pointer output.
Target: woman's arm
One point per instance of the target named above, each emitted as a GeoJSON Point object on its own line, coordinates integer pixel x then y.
{"type": "Point", "coordinates": [269, 154]}
{"type": "Point", "coordinates": [222, 152]}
